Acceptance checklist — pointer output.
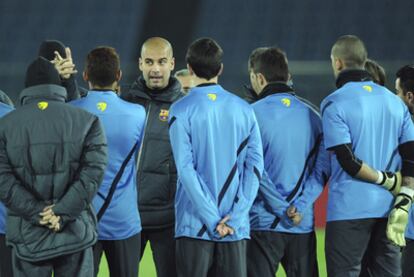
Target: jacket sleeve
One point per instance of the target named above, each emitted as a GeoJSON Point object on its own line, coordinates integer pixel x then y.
{"type": "Point", "coordinates": [314, 185]}
{"type": "Point", "coordinates": [192, 183]}
{"type": "Point", "coordinates": [272, 198]}
{"type": "Point", "coordinates": [13, 194]}
{"type": "Point", "coordinates": [252, 173]}
{"type": "Point", "coordinates": [71, 88]}
{"type": "Point", "coordinates": [92, 168]}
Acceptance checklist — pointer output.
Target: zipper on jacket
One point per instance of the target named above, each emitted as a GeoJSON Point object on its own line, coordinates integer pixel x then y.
{"type": "Point", "coordinates": [143, 140]}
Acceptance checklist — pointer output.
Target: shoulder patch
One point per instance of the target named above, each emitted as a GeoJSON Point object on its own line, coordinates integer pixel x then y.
{"type": "Point", "coordinates": [286, 102]}
{"type": "Point", "coordinates": [212, 96]}
{"type": "Point", "coordinates": [42, 105]}
{"type": "Point", "coordinates": [367, 88]}
{"type": "Point", "coordinates": [101, 106]}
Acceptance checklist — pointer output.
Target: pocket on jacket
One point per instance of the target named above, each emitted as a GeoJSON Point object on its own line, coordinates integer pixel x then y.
{"type": "Point", "coordinates": [155, 190]}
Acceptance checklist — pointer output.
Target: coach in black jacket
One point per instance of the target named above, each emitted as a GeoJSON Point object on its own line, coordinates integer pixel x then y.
{"type": "Point", "coordinates": [156, 90]}
{"type": "Point", "coordinates": [52, 160]}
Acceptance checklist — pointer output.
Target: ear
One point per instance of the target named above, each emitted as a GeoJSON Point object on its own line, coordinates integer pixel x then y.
{"type": "Point", "coordinates": [339, 64]}
{"type": "Point", "coordinates": [119, 75]}
{"type": "Point", "coordinates": [261, 79]}
{"type": "Point", "coordinates": [85, 76]}
{"type": "Point", "coordinates": [221, 70]}
{"type": "Point", "coordinates": [140, 63]}
{"type": "Point", "coordinates": [172, 63]}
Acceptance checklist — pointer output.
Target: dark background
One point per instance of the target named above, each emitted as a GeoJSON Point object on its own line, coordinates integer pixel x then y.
{"type": "Point", "coordinates": [306, 30]}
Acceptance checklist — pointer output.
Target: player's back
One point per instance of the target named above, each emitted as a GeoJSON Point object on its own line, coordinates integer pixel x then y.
{"type": "Point", "coordinates": [371, 119]}
{"type": "Point", "coordinates": [123, 124]}
{"type": "Point", "coordinates": [290, 128]}
{"type": "Point", "coordinates": [220, 123]}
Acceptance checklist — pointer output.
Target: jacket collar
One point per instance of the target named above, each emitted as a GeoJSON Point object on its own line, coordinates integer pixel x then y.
{"type": "Point", "coordinates": [352, 75]}
{"type": "Point", "coordinates": [43, 92]}
{"type": "Point", "coordinates": [167, 94]}
{"type": "Point", "coordinates": [276, 87]}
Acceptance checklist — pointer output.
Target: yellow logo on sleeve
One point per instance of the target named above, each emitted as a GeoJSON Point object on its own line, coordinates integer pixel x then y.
{"type": "Point", "coordinates": [367, 88]}
{"type": "Point", "coordinates": [42, 105]}
{"type": "Point", "coordinates": [101, 106]}
{"type": "Point", "coordinates": [212, 96]}
{"type": "Point", "coordinates": [286, 102]}
{"type": "Point", "coordinates": [164, 115]}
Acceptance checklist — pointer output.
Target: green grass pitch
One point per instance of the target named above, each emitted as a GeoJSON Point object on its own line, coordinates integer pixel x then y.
{"type": "Point", "coordinates": [147, 268]}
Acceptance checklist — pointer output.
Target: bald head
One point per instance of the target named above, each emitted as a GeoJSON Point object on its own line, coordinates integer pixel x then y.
{"type": "Point", "coordinates": [351, 51]}
{"type": "Point", "coordinates": [157, 44]}
{"type": "Point", "coordinates": [156, 63]}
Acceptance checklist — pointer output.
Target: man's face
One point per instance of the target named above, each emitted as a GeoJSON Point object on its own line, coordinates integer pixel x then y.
{"type": "Point", "coordinates": [407, 98]}
{"type": "Point", "coordinates": [156, 65]}
{"type": "Point", "coordinates": [187, 83]}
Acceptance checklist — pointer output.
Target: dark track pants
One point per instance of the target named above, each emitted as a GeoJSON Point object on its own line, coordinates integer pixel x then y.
{"type": "Point", "coordinates": [122, 256]}
{"type": "Point", "coordinates": [296, 253]}
{"type": "Point", "coordinates": [408, 259]}
{"type": "Point", "coordinates": [5, 258]}
{"type": "Point", "coordinates": [210, 259]}
{"type": "Point", "coordinates": [346, 241]}
{"type": "Point", "coordinates": [163, 250]}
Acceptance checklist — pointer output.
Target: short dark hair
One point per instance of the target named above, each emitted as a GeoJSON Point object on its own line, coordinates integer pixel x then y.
{"type": "Point", "coordinates": [204, 56]}
{"type": "Point", "coordinates": [271, 62]}
{"type": "Point", "coordinates": [351, 50]}
{"type": "Point", "coordinates": [406, 75]}
{"type": "Point", "coordinates": [376, 71]}
{"type": "Point", "coordinates": [102, 66]}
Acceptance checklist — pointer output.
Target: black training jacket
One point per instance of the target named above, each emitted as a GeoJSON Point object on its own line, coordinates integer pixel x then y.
{"type": "Point", "coordinates": [50, 153]}
{"type": "Point", "coordinates": [156, 174]}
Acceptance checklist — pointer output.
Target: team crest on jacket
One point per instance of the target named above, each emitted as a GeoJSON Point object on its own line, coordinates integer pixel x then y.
{"type": "Point", "coordinates": [101, 106]}
{"type": "Point", "coordinates": [212, 96]}
{"type": "Point", "coordinates": [367, 88]}
{"type": "Point", "coordinates": [42, 105]}
{"type": "Point", "coordinates": [286, 102]}
{"type": "Point", "coordinates": [163, 115]}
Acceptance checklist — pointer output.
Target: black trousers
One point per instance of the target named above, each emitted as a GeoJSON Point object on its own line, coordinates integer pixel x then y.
{"type": "Point", "coordinates": [296, 253]}
{"type": "Point", "coordinates": [163, 250]}
{"type": "Point", "coordinates": [210, 259]}
{"type": "Point", "coordinates": [122, 256]}
{"type": "Point", "coordinates": [346, 241]}
{"type": "Point", "coordinates": [78, 264]}
{"type": "Point", "coordinates": [5, 258]}
{"type": "Point", "coordinates": [407, 261]}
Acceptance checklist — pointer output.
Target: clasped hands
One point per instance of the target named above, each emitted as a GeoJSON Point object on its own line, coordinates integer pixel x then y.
{"type": "Point", "coordinates": [49, 219]}
{"type": "Point", "coordinates": [294, 215]}
{"type": "Point", "coordinates": [223, 229]}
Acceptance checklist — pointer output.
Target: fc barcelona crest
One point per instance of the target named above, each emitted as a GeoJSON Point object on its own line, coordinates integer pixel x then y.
{"type": "Point", "coordinates": [163, 115]}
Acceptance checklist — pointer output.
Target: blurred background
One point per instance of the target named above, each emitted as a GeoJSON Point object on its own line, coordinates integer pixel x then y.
{"type": "Point", "coordinates": [306, 30]}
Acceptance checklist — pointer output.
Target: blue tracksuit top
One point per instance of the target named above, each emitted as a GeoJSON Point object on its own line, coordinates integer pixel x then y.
{"type": "Point", "coordinates": [375, 121]}
{"type": "Point", "coordinates": [218, 152]}
{"type": "Point", "coordinates": [410, 227]}
{"type": "Point", "coordinates": [291, 131]}
{"type": "Point", "coordinates": [4, 109]}
{"type": "Point", "coordinates": [123, 123]}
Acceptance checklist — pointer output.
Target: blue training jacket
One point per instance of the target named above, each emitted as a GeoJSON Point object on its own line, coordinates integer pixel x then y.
{"type": "Point", "coordinates": [4, 109]}
{"type": "Point", "coordinates": [123, 123]}
{"type": "Point", "coordinates": [291, 131]}
{"type": "Point", "coordinates": [375, 121]}
{"type": "Point", "coordinates": [218, 152]}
